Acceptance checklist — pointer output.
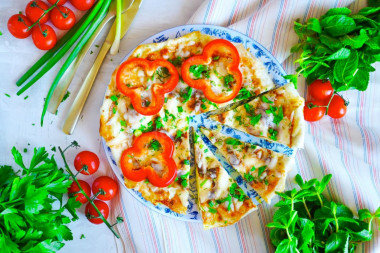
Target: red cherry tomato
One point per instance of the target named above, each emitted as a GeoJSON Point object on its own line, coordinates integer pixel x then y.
{"type": "Point", "coordinates": [337, 108]}
{"type": "Point", "coordinates": [91, 213]}
{"type": "Point", "coordinates": [86, 162]}
{"type": "Point", "coordinates": [74, 191]}
{"type": "Point", "coordinates": [320, 90]}
{"type": "Point", "coordinates": [62, 17]}
{"type": "Point", "coordinates": [35, 9]}
{"type": "Point", "coordinates": [82, 5]}
{"type": "Point", "coordinates": [108, 185]}
{"type": "Point", "coordinates": [315, 113]}
{"type": "Point", "coordinates": [61, 2]}
{"type": "Point", "coordinates": [18, 26]}
{"type": "Point", "coordinates": [44, 37]}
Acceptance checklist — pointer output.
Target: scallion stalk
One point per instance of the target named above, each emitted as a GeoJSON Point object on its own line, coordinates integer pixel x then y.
{"type": "Point", "coordinates": [96, 22]}
{"type": "Point", "coordinates": [52, 51]}
{"type": "Point", "coordinates": [65, 48]}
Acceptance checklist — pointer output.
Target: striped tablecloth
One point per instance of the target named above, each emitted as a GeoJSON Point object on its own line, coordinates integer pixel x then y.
{"type": "Point", "coordinates": [347, 148]}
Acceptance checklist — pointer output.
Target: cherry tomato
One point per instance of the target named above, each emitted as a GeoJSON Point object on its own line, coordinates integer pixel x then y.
{"type": "Point", "coordinates": [337, 108]}
{"type": "Point", "coordinates": [62, 17]}
{"type": "Point", "coordinates": [75, 191]}
{"type": "Point", "coordinates": [44, 37]}
{"type": "Point", "coordinates": [108, 185]}
{"type": "Point", "coordinates": [35, 9]}
{"type": "Point", "coordinates": [320, 90]}
{"type": "Point", "coordinates": [91, 213]}
{"type": "Point", "coordinates": [61, 2]}
{"type": "Point", "coordinates": [82, 5]}
{"type": "Point", "coordinates": [18, 26]}
{"type": "Point", "coordinates": [315, 113]}
{"type": "Point", "coordinates": [86, 162]}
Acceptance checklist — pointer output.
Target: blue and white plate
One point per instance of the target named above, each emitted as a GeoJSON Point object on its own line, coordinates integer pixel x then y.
{"type": "Point", "coordinates": [274, 69]}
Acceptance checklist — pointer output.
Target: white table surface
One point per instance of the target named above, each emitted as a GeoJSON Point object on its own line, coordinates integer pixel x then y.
{"type": "Point", "coordinates": [19, 118]}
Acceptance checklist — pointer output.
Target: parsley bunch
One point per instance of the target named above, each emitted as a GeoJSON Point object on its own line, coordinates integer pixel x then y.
{"type": "Point", "coordinates": [307, 222]}
{"type": "Point", "coordinates": [31, 205]}
{"type": "Point", "coordinates": [340, 46]}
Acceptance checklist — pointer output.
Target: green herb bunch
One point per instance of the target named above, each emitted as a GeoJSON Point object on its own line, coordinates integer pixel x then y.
{"type": "Point", "coordinates": [340, 46]}
{"type": "Point", "coordinates": [31, 205]}
{"type": "Point", "coordinates": [307, 222]}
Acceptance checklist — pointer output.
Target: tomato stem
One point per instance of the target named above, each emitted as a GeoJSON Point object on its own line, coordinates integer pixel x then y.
{"type": "Point", "coordinates": [67, 168]}
{"type": "Point", "coordinates": [43, 15]}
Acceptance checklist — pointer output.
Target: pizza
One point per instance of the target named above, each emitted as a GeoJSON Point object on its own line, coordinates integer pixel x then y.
{"type": "Point", "coordinates": [145, 121]}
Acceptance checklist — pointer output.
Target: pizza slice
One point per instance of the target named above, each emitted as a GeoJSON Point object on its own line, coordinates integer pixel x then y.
{"type": "Point", "coordinates": [220, 199]}
{"type": "Point", "coordinates": [275, 116]}
{"type": "Point", "coordinates": [263, 169]}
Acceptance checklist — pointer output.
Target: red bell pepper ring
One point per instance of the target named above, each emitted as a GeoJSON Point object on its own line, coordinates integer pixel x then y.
{"type": "Point", "coordinates": [150, 152]}
{"type": "Point", "coordinates": [133, 90]}
{"type": "Point", "coordinates": [215, 48]}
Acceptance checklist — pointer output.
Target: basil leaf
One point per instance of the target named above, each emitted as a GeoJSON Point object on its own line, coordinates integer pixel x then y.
{"type": "Point", "coordinates": [337, 11]}
{"type": "Point", "coordinates": [355, 41]}
{"type": "Point", "coordinates": [360, 80]}
{"type": "Point", "coordinates": [287, 245]}
{"type": "Point", "coordinates": [314, 25]}
{"type": "Point", "coordinates": [338, 25]}
{"type": "Point", "coordinates": [337, 241]}
{"type": "Point", "coordinates": [369, 10]}
{"type": "Point", "coordinates": [341, 54]}
{"type": "Point", "coordinates": [344, 69]}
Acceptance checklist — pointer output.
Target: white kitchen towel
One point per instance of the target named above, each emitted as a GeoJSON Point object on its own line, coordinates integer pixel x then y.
{"type": "Point", "coordinates": [347, 148]}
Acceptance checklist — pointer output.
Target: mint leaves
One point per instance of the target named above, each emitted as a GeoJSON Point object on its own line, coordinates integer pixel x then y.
{"type": "Point", "coordinates": [306, 221]}
{"type": "Point", "coordinates": [340, 46]}
{"type": "Point", "coordinates": [31, 206]}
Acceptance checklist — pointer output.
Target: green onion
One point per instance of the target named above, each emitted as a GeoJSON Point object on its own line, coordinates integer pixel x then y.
{"type": "Point", "coordinates": [52, 51]}
{"type": "Point", "coordinates": [53, 60]}
{"type": "Point", "coordinates": [99, 16]}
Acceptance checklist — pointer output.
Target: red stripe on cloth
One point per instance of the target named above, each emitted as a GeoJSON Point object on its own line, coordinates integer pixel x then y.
{"type": "Point", "coordinates": [217, 239]}
{"type": "Point", "coordinates": [279, 27]}
{"type": "Point", "coordinates": [244, 245]}
{"type": "Point", "coordinates": [211, 10]}
{"type": "Point", "coordinates": [234, 17]}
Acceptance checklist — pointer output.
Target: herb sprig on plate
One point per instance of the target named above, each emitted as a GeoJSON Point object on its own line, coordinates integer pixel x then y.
{"type": "Point", "coordinates": [340, 46]}
{"type": "Point", "coordinates": [306, 221]}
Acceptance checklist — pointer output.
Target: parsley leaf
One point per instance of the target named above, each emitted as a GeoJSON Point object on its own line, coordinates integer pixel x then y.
{"type": "Point", "coordinates": [155, 145]}
{"type": "Point", "coordinates": [199, 71]}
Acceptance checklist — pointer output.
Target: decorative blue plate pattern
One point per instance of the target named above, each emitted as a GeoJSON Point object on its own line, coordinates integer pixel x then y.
{"type": "Point", "coordinates": [274, 69]}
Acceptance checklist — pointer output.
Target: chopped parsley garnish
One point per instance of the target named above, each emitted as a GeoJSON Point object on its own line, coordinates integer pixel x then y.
{"type": "Point", "coordinates": [238, 119]}
{"type": "Point", "coordinates": [211, 203]}
{"type": "Point", "coordinates": [82, 236]}
{"type": "Point", "coordinates": [176, 62]}
{"type": "Point", "coordinates": [266, 182]}
{"type": "Point", "coordinates": [253, 146]}
{"type": "Point", "coordinates": [196, 137]}
{"type": "Point", "coordinates": [114, 110]}
{"type": "Point", "coordinates": [184, 177]}
{"type": "Point", "coordinates": [228, 198]}
{"type": "Point", "coordinates": [186, 162]}
{"type": "Point", "coordinates": [243, 94]}
{"type": "Point", "coordinates": [203, 106]}
{"type": "Point", "coordinates": [261, 170]}
{"type": "Point", "coordinates": [266, 100]}
{"type": "Point", "coordinates": [162, 73]}
{"type": "Point", "coordinates": [123, 123]}
{"type": "Point", "coordinates": [159, 123]}
{"type": "Point", "coordinates": [248, 177]}
{"type": "Point", "coordinates": [237, 193]}
{"type": "Point", "coordinates": [233, 142]}
{"type": "Point", "coordinates": [154, 145]}
{"type": "Point", "coordinates": [255, 119]}
{"type": "Point", "coordinates": [146, 181]}
{"type": "Point", "coordinates": [66, 96]}
{"type": "Point", "coordinates": [166, 100]}
{"type": "Point", "coordinates": [185, 94]}
{"type": "Point", "coordinates": [180, 109]}
{"type": "Point", "coordinates": [199, 71]}
{"type": "Point", "coordinates": [248, 108]}
{"type": "Point", "coordinates": [26, 97]}
{"type": "Point", "coordinates": [179, 134]}
{"type": "Point", "coordinates": [7, 95]}
{"type": "Point", "coordinates": [212, 210]}
{"type": "Point", "coordinates": [167, 114]}
{"type": "Point", "coordinates": [114, 99]}
{"type": "Point", "coordinates": [272, 134]}
{"type": "Point", "coordinates": [227, 80]}
{"type": "Point", "coordinates": [277, 112]}
{"type": "Point", "coordinates": [215, 58]}
{"type": "Point", "coordinates": [203, 182]}
{"type": "Point", "coordinates": [206, 150]}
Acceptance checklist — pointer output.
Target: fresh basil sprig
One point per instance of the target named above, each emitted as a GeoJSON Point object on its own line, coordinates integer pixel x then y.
{"type": "Point", "coordinates": [307, 222]}
{"type": "Point", "coordinates": [340, 46]}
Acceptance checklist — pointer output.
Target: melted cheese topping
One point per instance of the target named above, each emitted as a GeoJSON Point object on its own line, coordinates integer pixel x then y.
{"type": "Point", "coordinates": [289, 129]}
